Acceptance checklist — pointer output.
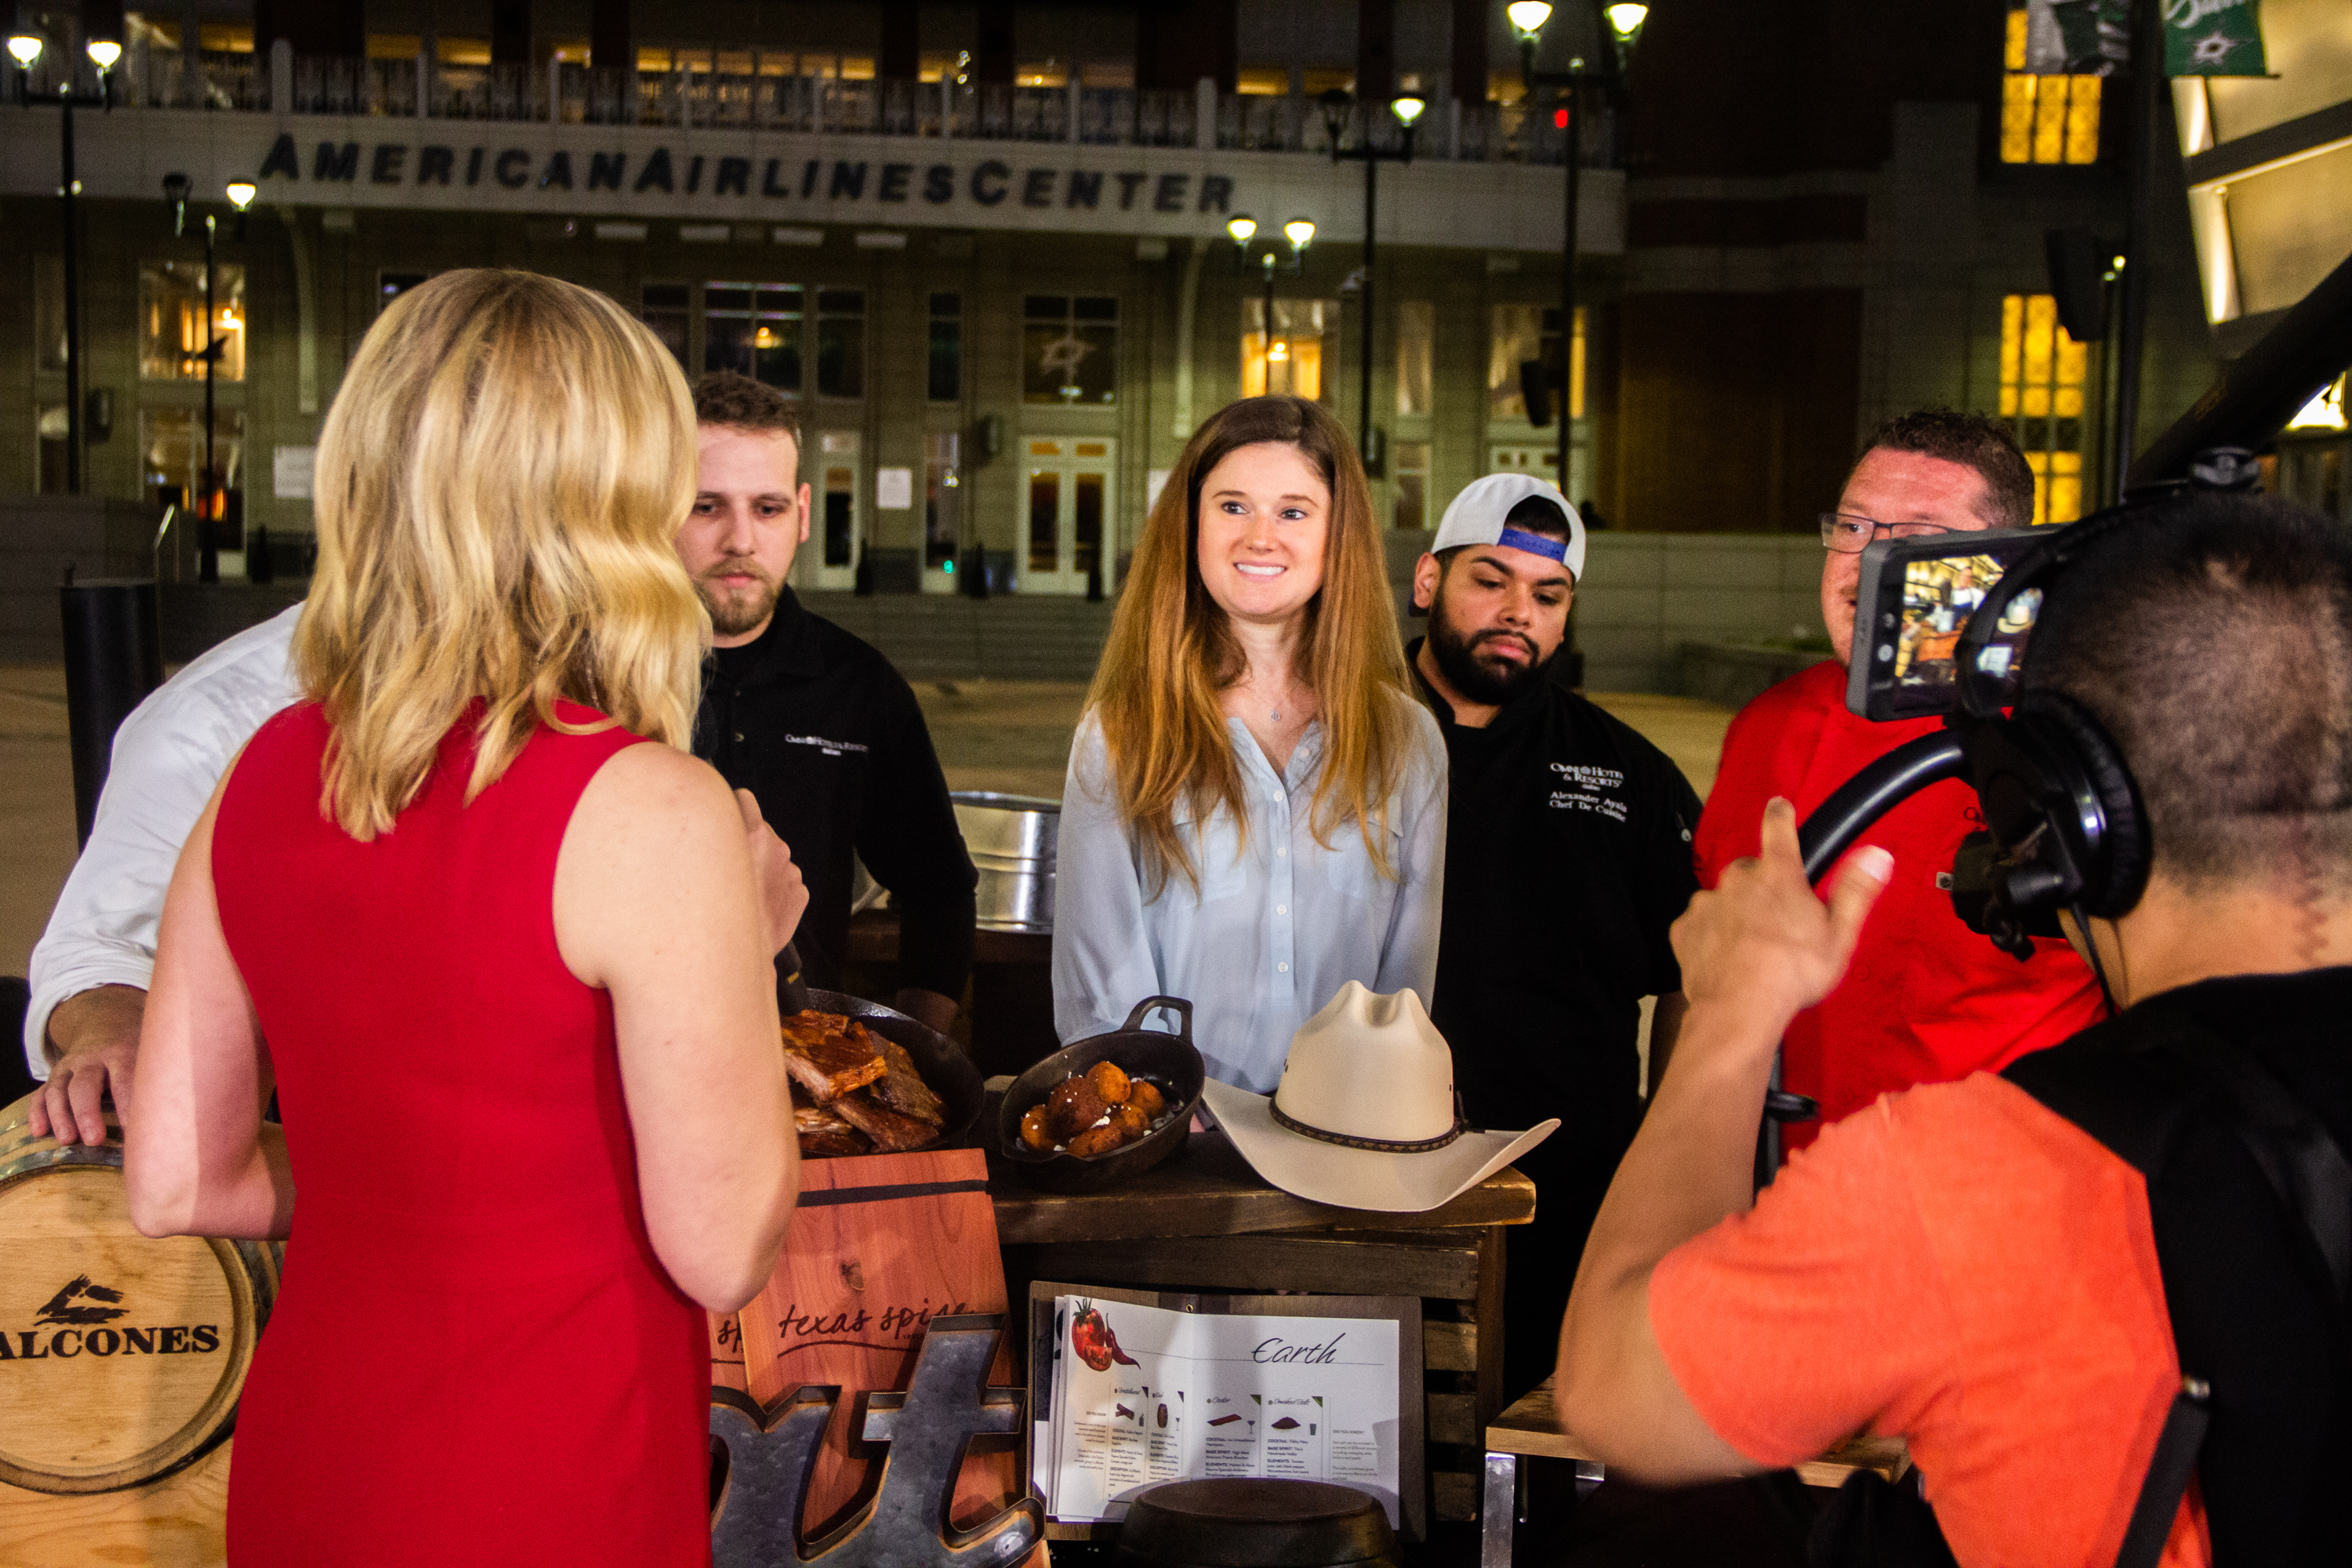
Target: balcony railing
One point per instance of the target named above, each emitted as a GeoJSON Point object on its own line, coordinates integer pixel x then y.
{"type": "Point", "coordinates": [572, 94]}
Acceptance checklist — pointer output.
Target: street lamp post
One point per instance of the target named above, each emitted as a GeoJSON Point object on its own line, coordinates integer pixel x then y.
{"type": "Point", "coordinates": [1300, 233]}
{"type": "Point", "coordinates": [1407, 107]}
{"type": "Point", "coordinates": [240, 193]}
{"type": "Point", "coordinates": [26, 48]}
{"type": "Point", "coordinates": [1623, 21]}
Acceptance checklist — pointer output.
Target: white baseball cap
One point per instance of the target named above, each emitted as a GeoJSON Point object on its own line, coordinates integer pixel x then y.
{"type": "Point", "coordinates": [1478, 513]}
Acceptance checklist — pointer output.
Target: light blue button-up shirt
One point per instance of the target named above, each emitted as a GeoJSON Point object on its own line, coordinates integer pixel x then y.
{"type": "Point", "coordinates": [1278, 924]}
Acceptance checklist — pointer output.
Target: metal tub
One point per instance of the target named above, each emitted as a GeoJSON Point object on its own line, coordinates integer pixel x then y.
{"type": "Point", "coordinates": [1010, 839]}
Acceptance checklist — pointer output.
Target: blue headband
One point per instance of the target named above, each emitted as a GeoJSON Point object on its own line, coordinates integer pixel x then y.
{"type": "Point", "coordinates": [1533, 543]}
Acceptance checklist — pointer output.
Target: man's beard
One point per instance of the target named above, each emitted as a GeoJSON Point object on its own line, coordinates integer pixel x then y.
{"type": "Point", "coordinates": [1488, 682]}
{"type": "Point", "coordinates": [732, 614]}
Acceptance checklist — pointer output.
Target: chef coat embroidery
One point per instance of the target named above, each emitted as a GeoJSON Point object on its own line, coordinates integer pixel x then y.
{"type": "Point", "coordinates": [1599, 790]}
{"type": "Point", "coordinates": [830, 748]}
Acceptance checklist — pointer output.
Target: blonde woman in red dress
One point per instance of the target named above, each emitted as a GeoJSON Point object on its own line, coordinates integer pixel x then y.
{"type": "Point", "coordinates": [501, 947]}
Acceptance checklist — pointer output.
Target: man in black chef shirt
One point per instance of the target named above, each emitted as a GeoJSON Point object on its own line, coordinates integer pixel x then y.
{"type": "Point", "coordinates": [1567, 855]}
{"type": "Point", "coordinates": [816, 724]}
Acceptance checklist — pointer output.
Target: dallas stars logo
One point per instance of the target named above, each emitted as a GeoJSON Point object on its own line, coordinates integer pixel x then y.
{"type": "Point", "coordinates": [2213, 48]}
{"type": "Point", "coordinates": [1064, 355]}
{"type": "Point", "coordinates": [61, 1309]}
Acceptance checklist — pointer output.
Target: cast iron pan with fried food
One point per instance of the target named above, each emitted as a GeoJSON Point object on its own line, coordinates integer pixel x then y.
{"type": "Point", "coordinates": [1167, 1062]}
{"type": "Point", "coordinates": [949, 1085]}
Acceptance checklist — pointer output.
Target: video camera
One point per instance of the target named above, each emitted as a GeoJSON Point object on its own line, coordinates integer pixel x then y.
{"type": "Point", "coordinates": [1942, 626]}
{"type": "Point", "coordinates": [1916, 601]}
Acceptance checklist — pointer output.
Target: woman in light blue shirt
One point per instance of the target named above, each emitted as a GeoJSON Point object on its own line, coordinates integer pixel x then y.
{"type": "Point", "coordinates": [1256, 808]}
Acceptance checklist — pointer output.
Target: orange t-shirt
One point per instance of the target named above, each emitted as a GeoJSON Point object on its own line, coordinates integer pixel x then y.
{"type": "Point", "coordinates": [1959, 1264]}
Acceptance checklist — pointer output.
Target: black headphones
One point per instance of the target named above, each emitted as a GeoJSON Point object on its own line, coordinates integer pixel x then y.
{"type": "Point", "coordinates": [2064, 826]}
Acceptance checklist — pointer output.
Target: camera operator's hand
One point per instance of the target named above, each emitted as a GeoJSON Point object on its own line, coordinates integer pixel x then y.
{"type": "Point", "coordinates": [1762, 940]}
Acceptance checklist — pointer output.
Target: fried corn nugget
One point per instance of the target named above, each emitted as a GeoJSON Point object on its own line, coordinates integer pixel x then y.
{"type": "Point", "coordinates": [1110, 1082]}
{"type": "Point", "coordinates": [1033, 1129]}
{"type": "Point", "coordinates": [1131, 1123]}
{"type": "Point", "coordinates": [1145, 1096]}
{"type": "Point", "coordinates": [1097, 1141]}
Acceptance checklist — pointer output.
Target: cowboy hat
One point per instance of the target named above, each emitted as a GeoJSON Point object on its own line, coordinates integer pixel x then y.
{"type": "Point", "coordinates": [1364, 1116]}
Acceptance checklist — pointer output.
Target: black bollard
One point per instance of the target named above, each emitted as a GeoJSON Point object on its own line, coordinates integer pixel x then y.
{"type": "Point", "coordinates": [114, 658]}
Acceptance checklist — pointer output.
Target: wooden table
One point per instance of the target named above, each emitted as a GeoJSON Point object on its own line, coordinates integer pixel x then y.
{"type": "Point", "coordinates": [1205, 1221]}
{"type": "Point", "coordinates": [1530, 1429]}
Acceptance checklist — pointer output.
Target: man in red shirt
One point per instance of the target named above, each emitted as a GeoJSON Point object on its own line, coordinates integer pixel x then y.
{"type": "Point", "coordinates": [1959, 1263]}
{"type": "Point", "coordinates": [1926, 999]}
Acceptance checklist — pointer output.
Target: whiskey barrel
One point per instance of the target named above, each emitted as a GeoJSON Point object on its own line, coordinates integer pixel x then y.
{"type": "Point", "coordinates": [121, 1357]}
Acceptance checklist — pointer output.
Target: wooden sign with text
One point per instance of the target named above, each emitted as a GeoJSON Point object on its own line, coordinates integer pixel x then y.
{"type": "Point", "coordinates": [880, 1245]}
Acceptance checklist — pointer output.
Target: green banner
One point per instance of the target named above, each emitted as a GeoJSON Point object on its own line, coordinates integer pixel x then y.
{"type": "Point", "coordinates": [2212, 37]}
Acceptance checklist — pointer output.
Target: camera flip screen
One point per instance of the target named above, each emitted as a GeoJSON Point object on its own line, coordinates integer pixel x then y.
{"type": "Point", "coordinates": [1916, 596]}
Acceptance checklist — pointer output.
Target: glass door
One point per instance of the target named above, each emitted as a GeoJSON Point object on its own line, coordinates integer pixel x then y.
{"type": "Point", "coordinates": [942, 511]}
{"type": "Point", "coordinates": [1068, 534]}
{"type": "Point", "coordinates": [836, 531]}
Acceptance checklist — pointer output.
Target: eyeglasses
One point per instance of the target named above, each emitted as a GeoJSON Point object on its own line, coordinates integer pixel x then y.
{"type": "Point", "coordinates": [1850, 535]}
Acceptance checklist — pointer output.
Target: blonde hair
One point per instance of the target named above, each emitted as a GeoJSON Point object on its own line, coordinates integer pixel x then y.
{"type": "Point", "coordinates": [1172, 651]}
{"type": "Point", "coordinates": [500, 483]}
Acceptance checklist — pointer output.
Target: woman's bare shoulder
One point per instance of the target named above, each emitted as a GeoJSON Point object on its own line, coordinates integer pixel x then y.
{"type": "Point", "coordinates": [650, 801]}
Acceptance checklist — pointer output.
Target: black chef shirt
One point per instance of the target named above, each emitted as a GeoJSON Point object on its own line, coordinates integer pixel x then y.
{"type": "Point", "coordinates": [1568, 854]}
{"type": "Point", "coordinates": [827, 736]}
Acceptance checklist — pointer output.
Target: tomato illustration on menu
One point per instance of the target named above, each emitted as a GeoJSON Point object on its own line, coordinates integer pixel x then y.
{"type": "Point", "coordinates": [1093, 1342]}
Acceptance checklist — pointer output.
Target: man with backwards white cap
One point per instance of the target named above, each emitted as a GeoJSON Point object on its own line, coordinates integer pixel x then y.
{"type": "Point", "coordinates": [1567, 856]}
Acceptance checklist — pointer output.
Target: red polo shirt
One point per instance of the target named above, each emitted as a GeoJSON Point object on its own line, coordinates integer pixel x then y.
{"type": "Point", "coordinates": [1925, 1000]}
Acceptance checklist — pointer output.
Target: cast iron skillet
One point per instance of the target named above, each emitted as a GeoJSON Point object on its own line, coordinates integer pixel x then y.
{"type": "Point", "coordinates": [939, 1061]}
{"type": "Point", "coordinates": [1169, 1059]}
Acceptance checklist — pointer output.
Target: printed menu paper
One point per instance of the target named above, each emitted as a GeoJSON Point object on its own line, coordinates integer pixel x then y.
{"type": "Point", "coordinates": [1142, 1395]}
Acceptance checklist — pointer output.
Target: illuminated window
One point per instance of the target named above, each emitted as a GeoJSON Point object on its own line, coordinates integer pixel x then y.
{"type": "Point", "coordinates": [2045, 118]}
{"type": "Point", "coordinates": [51, 431]}
{"type": "Point", "coordinates": [1416, 334]}
{"type": "Point", "coordinates": [171, 458]}
{"type": "Point", "coordinates": [1293, 360]}
{"type": "Point", "coordinates": [2044, 374]}
{"type": "Point", "coordinates": [752, 329]}
{"type": "Point", "coordinates": [171, 321]}
{"type": "Point", "coordinates": [1411, 507]}
{"type": "Point", "coordinates": [1069, 349]}
{"type": "Point", "coordinates": [1527, 334]}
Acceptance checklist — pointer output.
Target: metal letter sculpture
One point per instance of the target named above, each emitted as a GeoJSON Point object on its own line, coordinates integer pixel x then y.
{"type": "Point", "coordinates": [771, 1453]}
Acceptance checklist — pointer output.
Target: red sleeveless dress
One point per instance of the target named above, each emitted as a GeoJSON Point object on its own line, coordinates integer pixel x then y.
{"type": "Point", "coordinates": [475, 1357]}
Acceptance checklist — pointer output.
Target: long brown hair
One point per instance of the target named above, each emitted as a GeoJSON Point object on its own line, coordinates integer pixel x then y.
{"type": "Point", "coordinates": [1172, 651]}
{"type": "Point", "coordinates": [501, 480]}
